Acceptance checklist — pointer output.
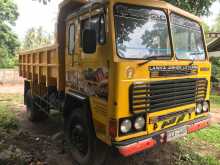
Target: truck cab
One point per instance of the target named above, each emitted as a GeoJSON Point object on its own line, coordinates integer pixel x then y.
{"type": "Point", "coordinates": [132, 74]}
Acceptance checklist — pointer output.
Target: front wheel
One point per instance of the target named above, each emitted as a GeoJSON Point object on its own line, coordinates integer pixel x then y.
{"type": "Point", "coordinates": [84, 147]}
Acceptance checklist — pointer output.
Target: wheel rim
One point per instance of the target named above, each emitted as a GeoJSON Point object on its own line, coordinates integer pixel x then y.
{"type": "Point", "coordinates": [79, 138]}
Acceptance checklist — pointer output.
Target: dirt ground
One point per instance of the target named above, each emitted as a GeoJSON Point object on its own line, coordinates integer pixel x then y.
{"type": "Point", "coordinates": [43, 143]}
{"type": "Point", "coordinates": [215, 116]}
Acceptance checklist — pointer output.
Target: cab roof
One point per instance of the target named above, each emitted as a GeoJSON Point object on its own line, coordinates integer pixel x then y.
{"type": "Point", "coordinates": [161, 5]}
{"type": "Point", "coordinates": [79, 4]}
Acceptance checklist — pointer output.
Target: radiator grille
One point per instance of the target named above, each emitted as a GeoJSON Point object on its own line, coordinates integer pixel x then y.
{"type": "Point", "coordinates": [160, 95]}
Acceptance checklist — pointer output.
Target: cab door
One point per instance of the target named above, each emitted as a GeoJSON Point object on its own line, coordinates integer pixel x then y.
{"type": "Point", "coordinates": [94, 77]}
{"type": "Point", "coordinates": [93, 65]}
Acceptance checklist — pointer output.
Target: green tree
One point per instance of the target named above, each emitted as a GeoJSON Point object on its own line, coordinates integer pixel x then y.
{"type": "Point", "coordinates": [197, 7]}
{"type": "Point", "coordinates": [8, 39]}
{"type": "Point", "coordinates": [216, 26]}
{"type": "Point", "coordinates": [35, 38]}
{"type": "Point", "coordinates": [215, 69]}
{"type": "Point", "coordinates": [206, 27]}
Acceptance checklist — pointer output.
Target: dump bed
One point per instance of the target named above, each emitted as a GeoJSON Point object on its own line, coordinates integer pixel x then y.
{"type": "Point", "coordinates": [40, 66]}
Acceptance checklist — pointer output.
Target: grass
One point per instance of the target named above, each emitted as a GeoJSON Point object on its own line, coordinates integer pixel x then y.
{"type": "Point", "coordinates": [210, 135]}
{"type": "Point", "coordinates": [188, 157]}
{"type": "Point", "coordinates": [203, 146]}
{"type": "Point", "coordinates": [8, 119]}
{"type": "Point", "coordinates": [207, 160]}
{"type": "Point", "coordinates": [187, 150]}
{"type": "Point", "coordinates": [203, 160]}
{"type": "Point", "coordinates": [8, 99]}
{"type": "Point", "coordinates": [215, 101]}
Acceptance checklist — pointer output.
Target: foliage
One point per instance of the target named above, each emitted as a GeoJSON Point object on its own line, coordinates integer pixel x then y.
{"type": "Point", "coordinates": [8, 111]}
{"type": "Point", "coordinates": [197, 7]}
{"type": "Point", "coordinates": [191, 158]}
{"type": "Point", "coordinates": [206, 27]}
{"type": "Point", "coordinates": [35, 38]}
{"type": "Point", "coordinates": [210, 135]}
{"type": "Point", "coordinates": [200, 148]}
{"type": "Point", "coordinates": [8, 11]}
{"type": "Point", "coordinates": [7, 119]}
{"type": "Point", "coordinates": [8, 39]}
{"type": "Point", "coordinates": [215, 100]}
{"type": "Point", "coordinates": [187, 156]}
{"type": "Point", "coordinates": [216, 26]}
{"type": "Point", "coordinates": [215, 69]}
{"type": "Point", "coordinates": [6, 60]}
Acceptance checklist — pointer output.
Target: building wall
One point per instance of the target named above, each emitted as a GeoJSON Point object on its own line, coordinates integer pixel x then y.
{"type": "Point", "coordinates": [214, 54]}
{"type": "Point", "coordinates": [10, 76]}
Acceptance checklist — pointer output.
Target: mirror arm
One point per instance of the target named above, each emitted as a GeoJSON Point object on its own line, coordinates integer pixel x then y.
{"type": "Point", "coordinates": [102, 30]}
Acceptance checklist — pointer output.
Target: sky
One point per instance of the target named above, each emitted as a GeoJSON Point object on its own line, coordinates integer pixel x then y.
{"type": "Point", "coordinates": [215, 10]}
{"type": "Point", "coordinates": [34, 14]}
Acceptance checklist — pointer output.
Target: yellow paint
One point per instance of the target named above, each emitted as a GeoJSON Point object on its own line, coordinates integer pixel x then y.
{"type": "Point", "coordinates": [117, 104]}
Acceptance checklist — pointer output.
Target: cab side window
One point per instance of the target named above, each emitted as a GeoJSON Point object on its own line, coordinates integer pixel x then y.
{"type": "Point", "coordinates": [71, 44]}
{"type": "Point", "coordinates": [96, 23]}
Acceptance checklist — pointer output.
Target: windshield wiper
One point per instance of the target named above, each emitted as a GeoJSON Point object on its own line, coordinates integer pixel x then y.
{"type": "Point", "coordinates": [149, 59]}
{"type": "Point", "coordinates": [192, 62]}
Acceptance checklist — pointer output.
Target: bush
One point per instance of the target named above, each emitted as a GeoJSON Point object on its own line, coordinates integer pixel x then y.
{"type": "Point", "coordinates": [7, 60]}
{"type": "Point", "coordinates": [215, 68]}
{"type": "Point", "coordinates": [7, 119]}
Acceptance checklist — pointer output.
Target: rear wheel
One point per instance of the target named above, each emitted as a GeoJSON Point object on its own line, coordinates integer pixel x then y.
{"type": "Point", "coordinates": [84, 147]}
{"type": "Point", "coordinates": [33, 113]}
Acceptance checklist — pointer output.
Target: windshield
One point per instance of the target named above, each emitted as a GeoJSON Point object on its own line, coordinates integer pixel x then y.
{"type": "Point", "coordinates": [187, 36]}
{"type": "Point", "coordinates": [141, 32]}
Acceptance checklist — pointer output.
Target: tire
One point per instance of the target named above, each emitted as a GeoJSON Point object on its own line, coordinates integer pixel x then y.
{"type": "Point", "coordinates": [34, 115]}
{"type": "Point", "coordinates": [82, 143]}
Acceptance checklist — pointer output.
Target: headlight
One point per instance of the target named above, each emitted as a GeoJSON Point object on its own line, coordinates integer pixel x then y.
{"type": "Point", "coordinates": [205, 106]}
{"type": "Point", "coordinates": [199, 108]}
{"type": "Point", "coordinates": [139, 123]}
{"type": "Point", "coordinates": [126, 126]}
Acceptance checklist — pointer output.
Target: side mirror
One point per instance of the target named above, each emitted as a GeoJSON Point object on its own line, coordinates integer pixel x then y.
{"type": "Point", "coordinates": [89, 41]}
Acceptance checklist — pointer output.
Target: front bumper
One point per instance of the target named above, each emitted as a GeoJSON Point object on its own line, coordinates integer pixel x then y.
{"type": "Point", "coordinates": [133, 146]}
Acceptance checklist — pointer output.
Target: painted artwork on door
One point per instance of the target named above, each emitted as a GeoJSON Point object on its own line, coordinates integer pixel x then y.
{"type": "Point", "coordinates": [93, 82]}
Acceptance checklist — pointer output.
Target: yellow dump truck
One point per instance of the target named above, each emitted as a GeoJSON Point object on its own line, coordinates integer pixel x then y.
{"type": "Point", "coordinates": [129, 74]}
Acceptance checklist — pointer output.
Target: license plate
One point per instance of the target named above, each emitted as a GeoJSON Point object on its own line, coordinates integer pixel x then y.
{"type": "Point", "coordinates": [176, 133]}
